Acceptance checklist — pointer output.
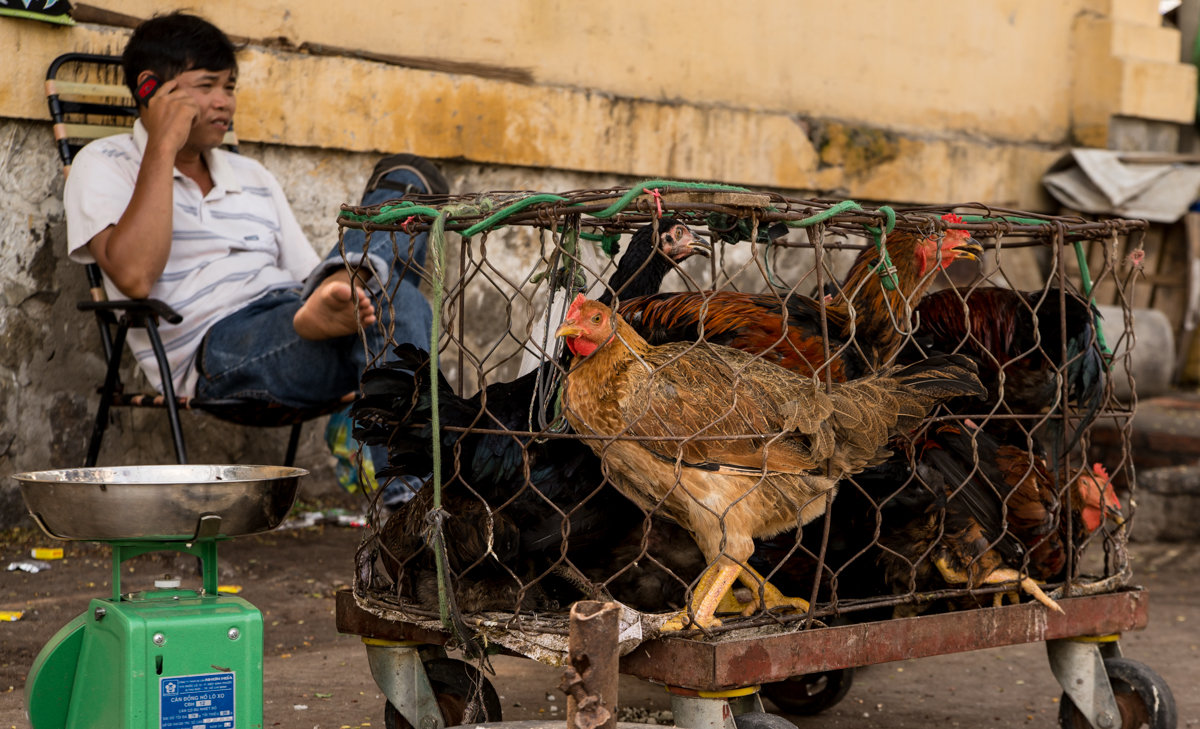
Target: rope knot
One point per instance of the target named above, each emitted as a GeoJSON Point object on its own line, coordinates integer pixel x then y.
{"type": "Point", "coordinates": [657, 195]}
{"type": "Point", "coordinates": [434, 519]}
{"type": "Point", "coordinates": [887, 271]}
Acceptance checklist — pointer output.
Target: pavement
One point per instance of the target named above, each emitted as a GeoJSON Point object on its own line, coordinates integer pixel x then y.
{"type": "Point", "coordinates": [316, 677]}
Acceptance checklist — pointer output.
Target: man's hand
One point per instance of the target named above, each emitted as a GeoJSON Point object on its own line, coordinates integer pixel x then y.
{"type": "Point", "coordinates": [169, 117]}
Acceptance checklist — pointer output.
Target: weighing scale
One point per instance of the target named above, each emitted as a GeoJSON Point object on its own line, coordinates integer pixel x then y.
{"type": "Point", "coordinates": [165, 658]}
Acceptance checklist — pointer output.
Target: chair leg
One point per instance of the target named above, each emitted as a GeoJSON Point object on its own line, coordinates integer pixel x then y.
{"type": "Point", "coordinates": [293, 444]}
{"type": "Point", "coordinates": [106, 394]}
{"type": "Point", "coordinates": [168, 389]}
{"type": "Point", "coordinates": [176, 430]}
{"type": "Point", "coordinates": [93, 451]}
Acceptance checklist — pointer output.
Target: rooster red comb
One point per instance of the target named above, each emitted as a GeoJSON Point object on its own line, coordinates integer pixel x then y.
{"type": "Point", "coordinates": [576, 306]}
{"type": "Point", "coordinates": [1100, 471]}
{"type": "Point", "coordinates": [952, 218]}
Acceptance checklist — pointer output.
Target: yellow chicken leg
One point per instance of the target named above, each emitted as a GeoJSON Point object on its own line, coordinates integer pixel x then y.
{"type": "Point", "coordinates": [1001, 576]}
{"type": "Point", "coordinates": [710, 592]}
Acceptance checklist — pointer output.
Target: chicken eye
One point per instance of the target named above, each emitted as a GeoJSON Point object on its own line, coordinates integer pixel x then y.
{"type": "Point", "coordinates": [596, 319]}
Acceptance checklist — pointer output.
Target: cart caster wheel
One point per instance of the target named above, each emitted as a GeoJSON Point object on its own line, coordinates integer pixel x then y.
{"type": "Point", "coordinates": [1143, 697]}
{"type": "Point", "coordinates": [761, 720]}
{"type": "Point", "coordinates": [455, 685]}
{"type": "Point", "coordinates": [811, 693]}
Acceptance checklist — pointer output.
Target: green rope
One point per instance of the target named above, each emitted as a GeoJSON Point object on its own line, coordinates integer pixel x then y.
{"type": "Point", "coordinates": [1085, 277]}
{"type": "Point", "coordinates": [885, 268]}
{"type": "Point", "coordinates": [490, 221]}
{"type": "Point", "coordinates": [391, 213]}
{"type": "Point", "coordinates": [608, 243]}
{"type": "Point", "coordinates": [821, 217]}
{"type": "Point", "coordinates": [887, 271]}
{"type": "Point", "coordinates": [437, 239]}
{"type": "Point", "coordinates": [1007, 218]}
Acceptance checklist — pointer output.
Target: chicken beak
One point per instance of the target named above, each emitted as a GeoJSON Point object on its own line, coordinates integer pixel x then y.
{"type": "Point", "coordinates": [699, 246]}
{"type": "Point", "coordinates": [1112, 508]}
{"type": "Point", "coordinates": [969, 249]}
{"type": "Point", "coordinates": [568, 330]}
{"type": "Point", "coordinates": [688, 244]}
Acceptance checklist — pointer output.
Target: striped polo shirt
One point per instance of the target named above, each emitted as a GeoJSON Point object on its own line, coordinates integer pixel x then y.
{"type": "Point", "coordinates": [228, 247]}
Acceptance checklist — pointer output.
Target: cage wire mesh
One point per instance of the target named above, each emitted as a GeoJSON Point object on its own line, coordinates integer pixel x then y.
{"type": "Point", "coordinates": [991, 498]}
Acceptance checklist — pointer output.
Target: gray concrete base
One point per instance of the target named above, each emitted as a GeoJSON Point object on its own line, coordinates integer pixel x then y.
{"type": "Point", "coordinates": [1168, 504]}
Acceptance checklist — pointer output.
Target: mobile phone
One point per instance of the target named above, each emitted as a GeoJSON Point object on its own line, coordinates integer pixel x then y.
{"type": "Point", "coordinates": [146, 89]}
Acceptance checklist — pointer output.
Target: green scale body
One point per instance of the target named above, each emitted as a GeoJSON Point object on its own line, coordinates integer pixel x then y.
{"type": "Point", "coordinates": [160, 659]}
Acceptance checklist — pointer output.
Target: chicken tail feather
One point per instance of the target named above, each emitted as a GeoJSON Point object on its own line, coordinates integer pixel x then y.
{"type": "Point", "coordinates": [932, 381]}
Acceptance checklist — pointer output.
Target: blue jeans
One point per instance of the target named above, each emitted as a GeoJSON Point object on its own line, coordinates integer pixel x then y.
{"type": "Point", "coordinates": [256, 353]}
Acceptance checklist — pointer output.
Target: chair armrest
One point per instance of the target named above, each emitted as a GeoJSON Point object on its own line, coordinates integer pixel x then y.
{"type": "Point", "coordinates": [135, 307]}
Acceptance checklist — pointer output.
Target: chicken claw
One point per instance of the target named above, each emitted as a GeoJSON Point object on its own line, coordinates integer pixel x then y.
{"type": "Point", "coordinates": [726, 601]}
{"type": "Point", "coordinates": [771, 597]}
{"type": "Point", "coordinates": [1001, 576]}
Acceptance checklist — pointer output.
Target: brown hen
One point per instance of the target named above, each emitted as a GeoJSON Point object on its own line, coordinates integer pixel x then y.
{"type": "Point", "coordinates": [730, 446]}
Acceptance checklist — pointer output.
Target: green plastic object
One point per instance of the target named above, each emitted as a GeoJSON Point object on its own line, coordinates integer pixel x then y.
{"type": "Point", "coordinates": [159, 659]}
{"type": "Point", "coordinates": [52, 676]}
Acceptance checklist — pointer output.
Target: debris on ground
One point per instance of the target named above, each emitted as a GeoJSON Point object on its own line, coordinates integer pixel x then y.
{"type": "Point", "coordinates": [32, 566]}
{"type": "Point", "coordinates": [642, 715]}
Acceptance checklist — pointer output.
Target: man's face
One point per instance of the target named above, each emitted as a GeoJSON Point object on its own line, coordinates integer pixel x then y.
{"type": "Point", "coordinates": [213, 91]}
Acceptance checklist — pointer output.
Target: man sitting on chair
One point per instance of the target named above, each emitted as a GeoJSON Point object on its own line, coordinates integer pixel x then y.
{"type": "Point", "coordinates": [168, 214]}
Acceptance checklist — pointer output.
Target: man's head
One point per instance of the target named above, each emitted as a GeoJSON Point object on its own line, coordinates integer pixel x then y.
{"type": "Point", "coordinates": [190, 56]}
{"type": "Point", "coordinates": [168, 45]}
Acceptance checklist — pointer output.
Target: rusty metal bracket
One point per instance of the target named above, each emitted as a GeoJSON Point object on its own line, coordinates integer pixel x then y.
{"type": "Point", "coordinates": [400, 674]}
{"type": "Point", "coordinates": [712, 709]}
{"type": "Point", "coordinates": [1079, 667]}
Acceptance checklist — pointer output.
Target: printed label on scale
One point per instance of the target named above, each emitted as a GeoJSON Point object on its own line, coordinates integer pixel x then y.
{"type": "Point", "coordinates": [204, 701]}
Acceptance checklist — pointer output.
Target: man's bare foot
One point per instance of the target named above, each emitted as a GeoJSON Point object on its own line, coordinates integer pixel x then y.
{"type": "Point", "coordinates": [333, 310]}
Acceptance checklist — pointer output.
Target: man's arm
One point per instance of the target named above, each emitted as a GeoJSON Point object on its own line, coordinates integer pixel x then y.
{"type": "Point", "coordinates": [134, 252]}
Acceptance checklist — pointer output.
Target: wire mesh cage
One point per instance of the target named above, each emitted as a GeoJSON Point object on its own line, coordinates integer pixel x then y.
{"type": "Point", "coordinates": [817, 411]}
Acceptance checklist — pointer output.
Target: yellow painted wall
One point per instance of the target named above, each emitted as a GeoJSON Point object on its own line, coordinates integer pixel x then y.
{"type": "Point", "coordinates": [924, 101]}
{"type": "Point", "coordinates": [997, 67]}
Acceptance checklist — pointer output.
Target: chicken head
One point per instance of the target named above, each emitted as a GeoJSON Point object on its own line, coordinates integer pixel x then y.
{"type": "Point", "coordinates": [1098, 499]}
{"type": "Point", "coordinates": [588, 325]}
{"type": "Point", "coordinates": [947, 248]}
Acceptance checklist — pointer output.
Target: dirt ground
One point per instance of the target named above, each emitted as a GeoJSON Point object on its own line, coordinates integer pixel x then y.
{"type": "Point", "coordinates": [314, 677]}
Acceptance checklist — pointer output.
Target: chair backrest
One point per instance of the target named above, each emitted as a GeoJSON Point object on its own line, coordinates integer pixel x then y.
{"type": "Point", "coordinates": [88, 100]}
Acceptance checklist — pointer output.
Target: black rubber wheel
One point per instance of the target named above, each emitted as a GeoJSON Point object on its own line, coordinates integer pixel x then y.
{"type": "Point", "coordinates": [463, 695]}
{"type": "Point", "coordinates": [811, 693]}
{"type": "Point", "coordinates": [761, 720]}
{"type": "Point", "coordinates": [1143, 698]}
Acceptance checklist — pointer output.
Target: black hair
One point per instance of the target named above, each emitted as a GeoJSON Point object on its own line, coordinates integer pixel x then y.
{"type": "Point", "coordinates": [168, 45]}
